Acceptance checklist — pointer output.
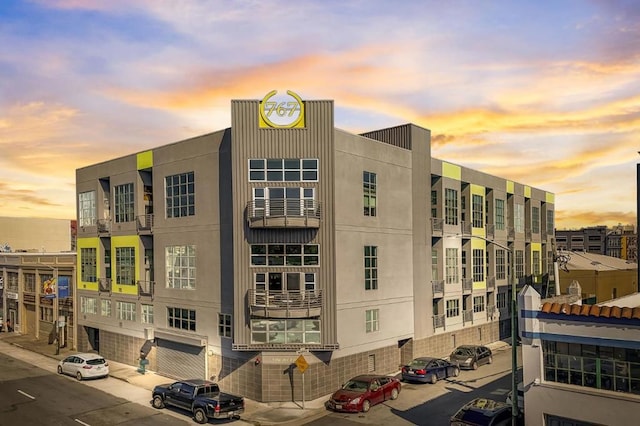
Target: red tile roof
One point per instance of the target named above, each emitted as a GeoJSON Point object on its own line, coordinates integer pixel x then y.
{"type": "Point", "coordinates": [591, 310]}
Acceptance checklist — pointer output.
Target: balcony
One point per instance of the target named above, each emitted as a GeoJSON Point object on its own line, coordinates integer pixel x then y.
{"type": "Point", "coordinates": [285, 304]}
{"type": "Point", "coordinates": [437, 226]}
{"type": "Point", "coordinates": [146, 288]}
{"type": "Point", "coordinates": [491, 231]}
{"type": "Point", "coordinates": [284, 213]}
{"type": "Point", "coordinates": [104, 285]}
{"type": "Point", "coordinates": [104, 226]}
{"type": "Point", "coordinates": [438, 288]}
{"type": "Point", "coordinates": [491, 282]}
{"type": "Point", "coordinates": [144, 223]}
{"type": "Point", "coordinates": [492, 312]}
{"type": "Point", "coordinates": [465, 228]}
{"type": "Point", "coordinates": [438, 321]}
{"type": "Point", "coordinates": [511, 233]}
{"type": "Point", "coordinates": [467, 285]}
{"type": "Point", "coordinates": [467, 316]}
{"type": "Point", "coordinates": [527, 235]}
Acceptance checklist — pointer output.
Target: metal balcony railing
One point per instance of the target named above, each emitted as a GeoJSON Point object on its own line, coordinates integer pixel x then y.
{"type": "Point", "coordinates": [104, 285]}
{"type": "Point", "coordinates": [284, 213]}
{"type": "Point", "coordinates": [527, 235]}
{"type": "Point", "coordinates": [104, 226]}
{"type": "Point", "coordinates": [465, 228]}
{"type": "Point", "coordinates": [146, 288]}
{"type": "Point", "coordinates": [491, 282]}
{"type": "Point", "coordinates": [438, 288]}
{"type": "Point", "coordinates": [511, 233]}
{"type": "Point", "coordinates": [467, 316]}
{"type": "Point", "coordinates": [467, 285]}
{"type": "Point", "coordinates": [438, 321]}
{"type": "Point", "coordinates": [492, 312]}
{"type": "Point", "coordinates": [437, 226]}
{"type": "Point", "coordinates": [491, 230]}
{"type": "Point", "coordinates": [144, 222]}
{"type": "Point", "coordinates": [285, 304]}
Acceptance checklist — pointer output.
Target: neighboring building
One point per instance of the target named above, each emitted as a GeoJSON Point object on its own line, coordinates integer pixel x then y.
{"type": "Point", "coordinates": [591, 239]}
{"type": "Point", "coordinates": [581, 363]}
{"type": "Point", "coordinates": [38, 292]}
{"type": "Point", "coordinates": [601, 277]}
{"type": "Point", "coordinates": [232, 253]}
{"type": "Point", "coordinates": [30, 234]}
{"type": "Point", "coordinates": [622, 242]}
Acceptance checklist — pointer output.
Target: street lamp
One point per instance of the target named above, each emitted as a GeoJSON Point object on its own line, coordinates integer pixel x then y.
{"type": "Point", "coordinates": [514, 322]}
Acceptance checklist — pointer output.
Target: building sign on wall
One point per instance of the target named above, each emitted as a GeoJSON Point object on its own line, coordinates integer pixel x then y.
{"type": "Point", "coordinates": [63, 287]}
{"type": "Point", "coordinates": [49, 288]}
{"type": "Point", "coordinates": [281, 111]}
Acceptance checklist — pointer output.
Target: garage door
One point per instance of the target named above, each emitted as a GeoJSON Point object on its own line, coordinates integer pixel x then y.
{"type": "Point", "coordinates": [180, 361]}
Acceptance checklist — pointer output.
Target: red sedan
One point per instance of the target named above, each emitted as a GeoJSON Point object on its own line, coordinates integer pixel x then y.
{"type": "Point", "coordinates": [361, 392]}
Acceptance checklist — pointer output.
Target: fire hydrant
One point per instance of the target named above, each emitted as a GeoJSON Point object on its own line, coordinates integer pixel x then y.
{"type": "Point", "coordinates": [143, 363]}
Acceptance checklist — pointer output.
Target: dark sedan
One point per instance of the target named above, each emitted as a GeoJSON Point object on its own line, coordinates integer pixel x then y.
{"type": "Point", "coordinates": [361, 392]}
{"type": "Point", "coordinates": [429, 370]}
{"type": "Point", "coordinates": [471, 356]}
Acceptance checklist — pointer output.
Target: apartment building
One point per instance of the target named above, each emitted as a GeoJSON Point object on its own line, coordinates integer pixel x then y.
{"type": "Point", "coordinates": [581, 363]}
{"type": "Point", "coordinates": [234, 253]}
{"type": "Point", "coordinates": [591, 239]}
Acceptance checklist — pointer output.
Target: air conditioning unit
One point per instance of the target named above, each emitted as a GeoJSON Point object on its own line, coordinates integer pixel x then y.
{"type": "Point", "coordinates": [148, 334]}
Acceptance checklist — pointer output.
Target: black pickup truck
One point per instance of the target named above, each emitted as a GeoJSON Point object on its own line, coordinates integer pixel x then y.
{"type": "Point", "coordinates": [202, 398]}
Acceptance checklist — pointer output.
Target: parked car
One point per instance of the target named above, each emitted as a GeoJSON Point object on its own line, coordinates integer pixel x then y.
{"type": "Point", "coordinates": [84, 366]}
{"type": "Point", "coordinates": [426, 369]}
{"type": "Point", "coordinates": [202, 398]}
{"type": "Point", "coordinates": [362, 392]}
{"type": "Point", "coordinates": [471, 356]}
{"type": "Point", "coordinates": [482, 412]}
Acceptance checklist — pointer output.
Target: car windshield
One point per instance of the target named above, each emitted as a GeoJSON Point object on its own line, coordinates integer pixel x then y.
{"type": "Point", "coordinates": [463, 352]}
{"type": "Point", "coordinates": [96, 361]}
{"type": "Point", "coordinates": [356, 385]}
{"type": "Point", "coordinates": [419, 363]}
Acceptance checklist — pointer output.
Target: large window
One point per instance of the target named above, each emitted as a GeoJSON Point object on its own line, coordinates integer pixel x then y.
{"type": "Point", "coordinates": [105, 308]}
{"type": "Point", "coordinates": [519, 218]}
{"type": "Point", "coordinates": [183, 319]}
{"type": "Point", "coordinates": [88, 265]}
{"type": "Point", "coordinates": [370, 267]}
{"type": "Point", "coordinates": [87, 208]}
{"type": "Point", "coordinates": [478, 265]}
{"type": "Point", "coordinates": [501, 264]}
{"type": "Point", "coordinates": [451, 206]}
{"type": "Point", "coordinates": [290, 331]}
{"type": "Point", "coordinates": [477, 205]}
{"type": "Point", "coordinates": [535, 220]}
{"type": "Point", "coordinates": [550, 224]}
{"type": "Point", "coordinates": [536, 263]}
{"type": "Point", "coordinates": [283, 170]}
{"type": "Point", "coordinates": [125, 265]}
{"type": "Point", "coordinates": [124, 203]}
{"type": "Point", "coordinates": [147, 313]}
{"type": "Point", "coordinates": [434, 203]}
{"type": "Point", "coordinates": [519, 260]}
{"type": "Point", "coordinates": [285, 255]}
{"type": "Point", "coordinates": [284, 281]}
{"type": "Point", "coordinates": [369, 187]}
{"type": "Point", "coordinates": [434, 264]}
{"type": "Point", "coordinates": [452, 266]}
{"type": "Point", "coordinates": [371, 322]}
{"type": "Point", "coordinates": [181, 267]}
{"type": "Point", "coordinates": [500, 219]}
{"type": "Point", "coordinates": [180, 195]}
{"type": "Point", "coordinates": [224, 325]}
{"type": "Point", "coordinates": [453, 308]}
{"type": "Point", "coordinates": [88, 305]}
{"type": "Point", "coordinates": [501, 300]}
{"type": "Point", "coordinates": [478, 304]}
{"type": "Point", "coordinates": [126, 311]}
{"type": "Point", "coordinates": [289, 201]}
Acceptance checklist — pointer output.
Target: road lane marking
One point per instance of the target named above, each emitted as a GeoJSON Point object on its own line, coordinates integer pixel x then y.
{"type": "Point", "coordinates": [81, 422]}
{"type": "Point", "coordinates": [26, 394]}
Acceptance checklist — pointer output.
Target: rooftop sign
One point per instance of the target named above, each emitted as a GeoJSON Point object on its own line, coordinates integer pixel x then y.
{"type": "Point", "coordinates": [281, 111]}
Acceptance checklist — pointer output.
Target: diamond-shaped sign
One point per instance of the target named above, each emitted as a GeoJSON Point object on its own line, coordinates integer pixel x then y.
{"type": "Point", "coordinates": [302, 364]}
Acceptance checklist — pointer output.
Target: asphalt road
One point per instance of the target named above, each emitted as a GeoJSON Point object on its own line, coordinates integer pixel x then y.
{"type": "Point", "coordinates": [433, 405]}
{"type": "Point", "coordinates": [33, 396]}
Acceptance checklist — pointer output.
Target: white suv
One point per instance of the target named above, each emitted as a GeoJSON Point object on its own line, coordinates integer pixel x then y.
{"type": "Point", "coordinates": [84, 366]}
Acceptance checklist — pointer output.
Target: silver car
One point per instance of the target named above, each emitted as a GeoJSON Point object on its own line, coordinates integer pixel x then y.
{"type": "Point", "coordinates": [84, 366]}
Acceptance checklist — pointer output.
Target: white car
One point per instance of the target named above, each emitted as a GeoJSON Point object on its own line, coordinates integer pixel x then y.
{"type": "Point", "coordinates": [84, 366]}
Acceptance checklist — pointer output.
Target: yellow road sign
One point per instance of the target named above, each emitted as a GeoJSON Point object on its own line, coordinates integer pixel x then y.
{"type": "Point", "coordinates": [302, 364]}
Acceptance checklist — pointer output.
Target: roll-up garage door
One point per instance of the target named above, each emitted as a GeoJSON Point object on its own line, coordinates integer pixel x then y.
{"type": "Point", "coordinates": [180, 360]}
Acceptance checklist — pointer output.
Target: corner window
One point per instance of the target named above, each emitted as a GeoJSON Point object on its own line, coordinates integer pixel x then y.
{"type": "Point", "coordinates": [87, 208]}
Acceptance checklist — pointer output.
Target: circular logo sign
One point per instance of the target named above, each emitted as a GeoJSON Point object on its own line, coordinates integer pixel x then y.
{"type": "Point", "coordinates": [282, 111]}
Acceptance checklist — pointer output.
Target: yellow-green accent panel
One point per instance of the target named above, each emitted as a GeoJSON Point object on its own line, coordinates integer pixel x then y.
{"type": "Point", "coordinates": [527, 192]}
{"type": "Point", "coordinates": [119, 242]}
{"type": "Point", "coordinates": [510, 187]}
{"type": "Point", "coordinates": [145, 160]}
{"type": "Point", "coordinates": [84, 243]}
{"type": "Point", "coordinates": [451, 171]}
{"type": "Point", "coordinates": [550, 197]}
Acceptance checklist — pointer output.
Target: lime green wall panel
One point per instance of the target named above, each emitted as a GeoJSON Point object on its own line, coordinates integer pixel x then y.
{"type": "Point", "coordinates": [451, 171]}
{"type": "Point", "coordinates": [145, 160]}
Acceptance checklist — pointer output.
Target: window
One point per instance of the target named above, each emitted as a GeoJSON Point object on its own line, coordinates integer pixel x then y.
{"type": "Point", "coordinates": [434, 203]}
{"type": "Point", "coordinates": [124, 203]}
{"type": "Point", "coordinates": [519, 218]}
{"type": "Point", "coordinates": [46, 314]}
{"type": "Point", "coordinates": [452, 266]}
{"type": "Point", "coordinates": [478, 265]}
{"type": "Point", "coordinates": [371, 320]}
{"type": "Point", "coordinates": [147, 314]}
{"type": "Point", "coordinates": [501, 300]}
{"type": "Point", "coordinates": [477, 205]}
{"type": "Point", "coordinates": [535, 220]}
{"type": "Point", "coordinates": [291, 331]}
{"type": "Point", "coordinates": [453, 308]}
{"type": "Point", "coordinates": [88, 305]}
{"type": "Point", "coordinates": [285, 254]}
{"type": "Point", "coordinates": [183, 319]}
{"type": "Point", "coordinates": [125, 265]}
{"type": "Point", "coordinates": [87, 208]}
{"type": "Point", "coordinates": [29, 283]}
{"type": "Point", "coordinates": [224, 325]}
{"type": "Point", "coordinates": [370, 267]}
{"type": "Point", "coordinates": [434, 264]}
{"type": "Point", "coordinates": [535, 263]}
{"type": "Point", "coordinates": [369, 186]}
{"type": "Point", "coordinates": [519, 264]}
{"type": "Point", "coordinates": [126, 311]}
{"type": "Point", "coordinates": [478, 304]}
{"type": "Point", "coordinates": [88, 264]}
{"type": "Point", "coordinates": [279, 281]}
{"type": "Point", "coordinates": [283, 170]}
{"type": "Point", "coordinates": [501, 264]}
{"type": "Point", "coordinates": [451, 206]}
{"type": "Point", "coordinates": [181, 267]}
{"type": "Point", "coordinates": [500, 219]}
{"type": "Point", "coordinates": [550, 222]}
{"type": "Point", "coordinates": [180, 195]}
{"type": "Point", "coordinates": [105, 308]}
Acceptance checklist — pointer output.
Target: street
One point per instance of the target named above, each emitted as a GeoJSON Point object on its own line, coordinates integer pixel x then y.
{"type": "Point", "coordinates": [427, 404]}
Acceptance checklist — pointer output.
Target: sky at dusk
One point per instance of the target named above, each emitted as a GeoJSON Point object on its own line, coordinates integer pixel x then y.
{"type": "Point", "coordinates": [544, 93]}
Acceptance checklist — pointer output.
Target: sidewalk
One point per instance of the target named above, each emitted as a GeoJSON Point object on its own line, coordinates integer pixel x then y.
{"type": "Point", "coordinates": [256, 413]}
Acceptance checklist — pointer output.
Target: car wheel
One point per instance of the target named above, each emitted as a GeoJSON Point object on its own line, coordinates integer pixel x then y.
{"type": "Point", "coordinates": [59, 370]}
{"type": "Point", "coordinates": [394, 393]}
{"type": "Point", "coordinates": [474, 365]}
{"type": "Point", "coordinates": [490, 361]}
{"type": "Point", "coordinates": [433, 379]}
{"type": "Point", "coordinates": [200, 416]}
{"type": "Point", "coordinates": [79, 375]}
{"type": "Point", "coordinates": [456, 372]}
{"type": "Point", "coordinates": [366, 405]}
{"type": "Point", "coordinates": [157, 402]}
